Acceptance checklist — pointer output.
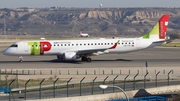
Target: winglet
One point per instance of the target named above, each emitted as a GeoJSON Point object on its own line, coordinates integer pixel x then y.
{"type": "Point", "coordinates": [114, 45]}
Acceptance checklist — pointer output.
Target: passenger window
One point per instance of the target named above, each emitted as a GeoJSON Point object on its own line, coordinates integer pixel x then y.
{"type": "Point", "coordinates": [98, 43]}
{"type": "Point", "coordinates": [68, 44]}
{"type": "Point", "coordinates": [129, 43]}
{"type": "Point", "coordinates": [76, 44]}
{"type": "Point", "coordinates": [122, 43]}
{"type": "Point", "coordinates": [91, 43]}
{"type": "Point", "coordinates": [101, 43]}
{"type": "Point", "coordinates": [72, 44]}
{"type": "Point", "coordinates": [61, 45]}
{"type": "Point", "coordinates": [108, 43]}
{"type": "Point", "coordinates": [111, 43]}
{"type": "Point", "coordinates": [64, 44]}
{"type": "Point", "coordinates": [104, 43]}
{"type": "Point", "coordinates": [32, 45]}
{"type": "Point", "coordinates": [132, 42]}
{"type": "Point", "coordinates": [84, 44]}
{"type": "Point", "coordinates": [88, 43]}
{"type": "Point", "coordinates": [80, 44]}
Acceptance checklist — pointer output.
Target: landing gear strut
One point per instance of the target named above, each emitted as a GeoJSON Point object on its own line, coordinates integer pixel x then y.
{"type": "Point", "coordinates": [86, 59]}
{"type": "Point", "coordinates": [83, 58]}
{"type": "Point", "coordinates": [21, 59]}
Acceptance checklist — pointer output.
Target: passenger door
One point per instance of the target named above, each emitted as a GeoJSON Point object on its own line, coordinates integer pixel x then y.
{"type": "Point", "coordinates": [26, 47]}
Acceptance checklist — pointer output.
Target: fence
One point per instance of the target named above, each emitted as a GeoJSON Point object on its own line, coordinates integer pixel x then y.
{"type": "Point", "coordinates": [127, 83]}
{"type": "Point", "coordinates": [75, 72]}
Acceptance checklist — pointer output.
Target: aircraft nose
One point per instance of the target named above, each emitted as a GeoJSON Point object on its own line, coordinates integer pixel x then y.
{"type": "Point", "coordinates": [5, 52]}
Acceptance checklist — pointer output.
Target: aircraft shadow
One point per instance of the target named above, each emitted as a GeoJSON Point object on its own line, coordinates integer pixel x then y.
{"type": "Point", "coordinates": [114, 60]}
{"type": "Point", "coordinates": [47, 61]}
{"type": "Point", "coordinates": [62, 61]}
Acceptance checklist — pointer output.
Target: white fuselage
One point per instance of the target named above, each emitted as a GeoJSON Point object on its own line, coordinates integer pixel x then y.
{"type": "Point", "coordinates": [59, 47]}
{"type": "Point", "coordinates": [84, 35]}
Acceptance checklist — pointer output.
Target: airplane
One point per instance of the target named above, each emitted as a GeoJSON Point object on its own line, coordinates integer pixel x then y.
{"type": "Point", "coordinates": [75, 49]}
{"type": "Point", "coordinates": [84, 34]}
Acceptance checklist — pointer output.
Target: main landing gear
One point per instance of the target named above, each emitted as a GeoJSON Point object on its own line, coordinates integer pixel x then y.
{"type": "Point", "coordinates": [21, 59]}
{"type": "Point", "coordinates": [86, 59]}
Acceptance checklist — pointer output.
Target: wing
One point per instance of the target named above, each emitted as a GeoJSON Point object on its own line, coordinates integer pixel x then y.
{"type": "Point", "coordinates": [90, 51]}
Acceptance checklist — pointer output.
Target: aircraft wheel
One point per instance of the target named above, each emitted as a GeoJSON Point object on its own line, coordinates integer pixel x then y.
{"type": "Point", "coordinates": [84, 59]}
{"type": "Point", "coordinates": [20, 60]}
{"type": "Point", "coordinates": [88, 60]}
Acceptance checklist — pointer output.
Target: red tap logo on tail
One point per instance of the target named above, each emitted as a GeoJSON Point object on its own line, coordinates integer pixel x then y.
{"type": "Point", "coordinates": [163, 23]}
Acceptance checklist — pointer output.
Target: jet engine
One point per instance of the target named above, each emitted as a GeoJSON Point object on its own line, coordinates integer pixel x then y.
{"type": "Point", "coordinates": [70, 56]}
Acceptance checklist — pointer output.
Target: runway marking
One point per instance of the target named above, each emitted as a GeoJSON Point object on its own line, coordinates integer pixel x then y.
{"type": "Point", "coordinates": [55, 66]}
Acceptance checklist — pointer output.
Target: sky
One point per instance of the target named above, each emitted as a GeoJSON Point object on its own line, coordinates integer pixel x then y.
{"type": "Point", "coordinates": [88, 3]}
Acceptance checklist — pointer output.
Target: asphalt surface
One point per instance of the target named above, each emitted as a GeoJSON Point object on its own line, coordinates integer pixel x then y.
{"type": "Point", "coordinates": [157, 57]}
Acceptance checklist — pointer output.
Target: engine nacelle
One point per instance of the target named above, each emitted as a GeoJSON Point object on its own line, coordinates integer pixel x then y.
{"type": "Point", "coordinates": [70, 56]}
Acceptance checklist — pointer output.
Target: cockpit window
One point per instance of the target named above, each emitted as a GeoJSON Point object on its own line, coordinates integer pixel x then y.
{"type": "Point", "coordinates": [14, 45]}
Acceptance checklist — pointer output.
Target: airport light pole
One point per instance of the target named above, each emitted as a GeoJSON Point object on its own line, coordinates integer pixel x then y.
{"type": "Point", "coordinates": [106, 86]}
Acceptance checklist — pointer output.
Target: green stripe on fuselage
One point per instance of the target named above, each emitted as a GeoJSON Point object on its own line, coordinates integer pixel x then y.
{"type": "Point", "coordinates": [35, 47]}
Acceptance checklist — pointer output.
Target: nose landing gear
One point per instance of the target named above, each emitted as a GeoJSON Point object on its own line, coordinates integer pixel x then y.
{"type": "Point", "coordinates": [21, 59]}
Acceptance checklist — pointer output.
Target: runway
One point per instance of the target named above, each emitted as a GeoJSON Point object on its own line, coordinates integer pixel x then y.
{"type": "Point", "coordinates": [156, 57]}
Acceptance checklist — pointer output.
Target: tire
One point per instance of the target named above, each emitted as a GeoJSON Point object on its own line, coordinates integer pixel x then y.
{"type": "Point", "coordinates": [88, 60]}
{"type": "Point", "coordinates": [84, 59]}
